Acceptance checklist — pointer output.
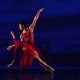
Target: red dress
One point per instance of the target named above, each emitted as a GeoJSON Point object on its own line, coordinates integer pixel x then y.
{"type": "Point", "coordinates": [28, 53]}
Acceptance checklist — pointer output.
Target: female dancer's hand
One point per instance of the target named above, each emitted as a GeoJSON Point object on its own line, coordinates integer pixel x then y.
{"type": "Point", "coordinates": [24, 48]}
{"type": "Point", "coordinates": [42, 9]}
{"type": "Point", "coordinates": [9, 65]}
{"type": "Point", "coordinates": [12, 33]}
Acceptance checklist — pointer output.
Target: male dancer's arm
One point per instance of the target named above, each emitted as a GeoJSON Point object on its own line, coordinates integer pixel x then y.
{"type": "Point", "coordinates": [10, 47]}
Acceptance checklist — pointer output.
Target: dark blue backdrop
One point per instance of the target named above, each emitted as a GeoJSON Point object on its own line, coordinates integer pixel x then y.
{"type": "Point", "coordinates": [57, 33]}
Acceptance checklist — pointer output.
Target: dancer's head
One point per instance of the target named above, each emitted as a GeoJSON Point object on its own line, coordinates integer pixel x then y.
{"type": "Point", "coordinates": [22, 25]}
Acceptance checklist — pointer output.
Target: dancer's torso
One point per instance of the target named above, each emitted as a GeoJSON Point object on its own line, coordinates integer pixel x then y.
{"type": "Point", "coordinates": [26, 35]}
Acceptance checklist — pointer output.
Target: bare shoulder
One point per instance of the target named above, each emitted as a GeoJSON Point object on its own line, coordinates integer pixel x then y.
{"type": "Point", "coordinates": [24, 30]}
{"type": "Point", "coordinates": [31, 29]}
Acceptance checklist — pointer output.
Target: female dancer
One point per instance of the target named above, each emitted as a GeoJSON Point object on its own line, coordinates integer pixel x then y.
{"type": "Point", "coordinates": [27, 45]}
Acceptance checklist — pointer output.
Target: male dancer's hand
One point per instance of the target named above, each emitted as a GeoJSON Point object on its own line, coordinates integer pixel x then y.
{"type": "Point", "coordinates": [9, 48]}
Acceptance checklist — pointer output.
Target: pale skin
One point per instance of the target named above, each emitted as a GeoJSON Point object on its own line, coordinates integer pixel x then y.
{"type": "Point", "coordinates": [31, 28]}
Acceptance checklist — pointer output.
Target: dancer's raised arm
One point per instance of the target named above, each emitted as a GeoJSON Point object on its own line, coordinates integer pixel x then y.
{"type": "Point", "coordinates": [35, 20]}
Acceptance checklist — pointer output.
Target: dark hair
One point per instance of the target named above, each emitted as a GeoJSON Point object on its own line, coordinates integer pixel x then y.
{"type": "Point", "coordinates": [23, 23]}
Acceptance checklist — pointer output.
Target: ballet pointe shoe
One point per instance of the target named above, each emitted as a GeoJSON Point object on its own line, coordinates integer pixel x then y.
{"type": "Point", "coordinates": [49, 69]}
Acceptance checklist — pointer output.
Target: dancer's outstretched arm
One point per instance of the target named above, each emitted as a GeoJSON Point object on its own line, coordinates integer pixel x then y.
{"type": "Point", "coordinates": [9, 48]}
{"type": "Point", "coordinates": [35, 20]}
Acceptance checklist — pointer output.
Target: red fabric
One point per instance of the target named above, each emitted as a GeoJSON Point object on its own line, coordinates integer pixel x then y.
{"type": "Point", "coordinates": [18, 45]}
{"type": "Point", "coordinates": [28, 53]}
{"type": "Point", "coordinates": [27, 56]}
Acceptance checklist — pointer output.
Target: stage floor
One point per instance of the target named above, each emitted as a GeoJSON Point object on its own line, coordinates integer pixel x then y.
{"type": "Point", "coordinates": [39, 75]}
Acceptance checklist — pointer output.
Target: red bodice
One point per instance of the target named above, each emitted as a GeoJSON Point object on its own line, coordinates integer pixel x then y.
{"type": "Point", "coordinates": [25, 35]}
